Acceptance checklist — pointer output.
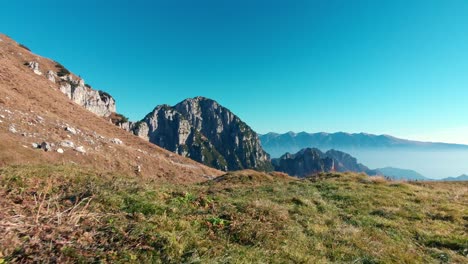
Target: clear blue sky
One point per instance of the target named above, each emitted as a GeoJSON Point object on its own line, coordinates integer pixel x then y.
{"type": "Point", "coordinates": [395, 67]}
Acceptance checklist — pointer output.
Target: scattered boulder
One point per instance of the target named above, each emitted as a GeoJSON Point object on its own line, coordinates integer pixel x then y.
{"type": "Point", "coordinates": [80, 149]}
{"type": "Point", "coordinates": [12, 129]}
{"type": "Point", "coordinates": [71, 130]}
{"type": "Point", "coordinates": [59, 150]}
{"type": "Point", "coordinates": [116, 141]}
{"type": "Point", "coordinates": [67, 144]}
{"type": "Point", "coordinates": [138, 169]}
{"type": "Point", "coordinates": [46, 146]}
{"type": "Point", "coordinates": [35, 145]}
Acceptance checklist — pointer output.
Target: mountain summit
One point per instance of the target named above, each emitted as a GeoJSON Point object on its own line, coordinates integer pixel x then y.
{"type": "Point", "coordinates": [205, 131]}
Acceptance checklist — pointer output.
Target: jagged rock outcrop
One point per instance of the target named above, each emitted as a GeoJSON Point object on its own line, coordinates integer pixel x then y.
{"type": "Point", "coordinates": [304, 163]}
{"type": "Point", "coordinates": [205, 131]}
{"type": "Point", "coordinates": [311, 161]}
{"type": "Point", "coordinates": [98, 102]}
{"type": "Point", "coordinates": [51, 75]}
{"type": "Point", "coordinates": [34, 65]}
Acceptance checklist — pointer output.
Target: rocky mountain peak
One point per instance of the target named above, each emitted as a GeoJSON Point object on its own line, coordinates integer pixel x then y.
{"type": "Point", "coordinates": [202, 129]}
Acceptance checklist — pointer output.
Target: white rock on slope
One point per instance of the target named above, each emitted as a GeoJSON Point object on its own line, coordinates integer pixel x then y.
{"type": "Point", "coordinates": [34, 65]}
{"type": "Point", "coordinates": [51, 75]}
{"type": "Point", "coordinates": [80, 149]}
{"type": "Point", "coordinates": [67, 144]}
{"type": "Point", "coordinates": [12, 129]}
{"type": "Point", "coordinates": [71, 130]}
{"type": "Point", "coordinates": [116, 141]}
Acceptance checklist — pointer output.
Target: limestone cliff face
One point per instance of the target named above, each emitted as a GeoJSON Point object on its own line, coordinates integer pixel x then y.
{"type": "Point", "coordinates": [98, 102]}
{"type": "Point", "coordinates": [205, 131]}
{"type": "Point", "coordinates": [311, 161]}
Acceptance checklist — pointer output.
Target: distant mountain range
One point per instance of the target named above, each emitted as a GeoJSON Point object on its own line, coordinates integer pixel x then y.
{"type": "Point", "coordinates": [411, 175]}
{"type": "Point", "coordinates": [310, 161]}
{"type": "Point", "coordinates": [401, 174]}
{"type": "Point", "coordinates": [463, 177]}
{"type": "Point", "coordinates": [278, 144]}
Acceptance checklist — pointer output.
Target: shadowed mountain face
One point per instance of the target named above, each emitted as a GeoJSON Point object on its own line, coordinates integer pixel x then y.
{"type": "Point", "coordinates": [278, 144]}
{"type": "Point", "coordinates": [203, 130]}
{"type": "Point", "coordinates": [311, 161]}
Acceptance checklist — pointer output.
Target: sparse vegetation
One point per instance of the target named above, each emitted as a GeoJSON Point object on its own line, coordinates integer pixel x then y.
{"type": "Point", "coordinates": [24, 47]}
{"type": "Point", "coordinates": [104, 95]}
{"type": "Point", "coordinates": [62, 71]}
{"type": "Point", "coordinates": [118, 119]}
{"type": "Point", "coordinates": [69, 214]}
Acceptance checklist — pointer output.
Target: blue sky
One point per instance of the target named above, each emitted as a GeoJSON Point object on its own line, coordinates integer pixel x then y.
{"type": "Point", "coordinates": [385, 67]}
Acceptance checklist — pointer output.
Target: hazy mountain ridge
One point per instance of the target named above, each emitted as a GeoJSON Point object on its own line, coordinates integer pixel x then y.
{"type": "Point", "coordinates": [463, 177]}
{"type": "Point", "coordinates": [278, 144]}
{"type": "Point", "coordinates": [401, 174]}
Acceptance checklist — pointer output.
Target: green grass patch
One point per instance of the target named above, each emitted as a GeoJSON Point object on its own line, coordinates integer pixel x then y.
{"type": "Point", "coordinates": [70, 214]}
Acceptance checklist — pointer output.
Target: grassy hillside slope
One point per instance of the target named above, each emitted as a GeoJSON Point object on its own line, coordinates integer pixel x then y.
{"type": "Point", "coordinates": [70, 214]}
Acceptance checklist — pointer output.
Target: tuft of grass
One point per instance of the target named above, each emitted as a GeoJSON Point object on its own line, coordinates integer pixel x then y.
{"type": "Point", "coordinates": [62, 71]}
{"type": "Point", "coordinates": [68, 214]}
{"type": "Point", "coordinates": [24, 47]}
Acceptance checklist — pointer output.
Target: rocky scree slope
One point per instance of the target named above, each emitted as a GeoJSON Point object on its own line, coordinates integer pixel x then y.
{"type": "Point", "coordinates": [205, 131]}
{"type": "Point", "coordinates": [42, 121]}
